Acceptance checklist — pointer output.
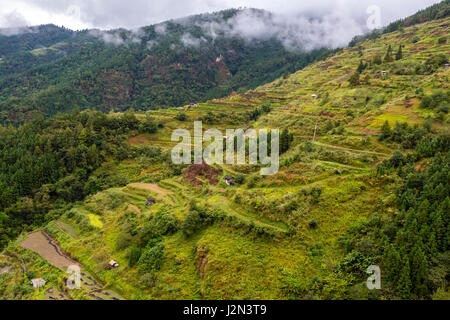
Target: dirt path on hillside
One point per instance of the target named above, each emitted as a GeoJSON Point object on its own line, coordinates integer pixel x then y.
{"type": "Point", "coordinates": [48, 248]}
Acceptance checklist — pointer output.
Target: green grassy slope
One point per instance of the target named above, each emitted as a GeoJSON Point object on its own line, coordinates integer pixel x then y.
{"type": "Point", "coordinates": [275, 237]}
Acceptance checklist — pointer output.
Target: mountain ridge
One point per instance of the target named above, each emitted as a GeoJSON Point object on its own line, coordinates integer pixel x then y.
{"type": "Point", "coordinates": [158, 66]}
{"type": "Point", "coordinates": [362, 180]}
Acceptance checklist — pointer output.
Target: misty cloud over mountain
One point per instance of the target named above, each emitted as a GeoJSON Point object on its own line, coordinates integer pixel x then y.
{"type": "Point", "coordinates": [295, 31]}
{"type": "Point", "coordinates": [304, 32]}
{"type": "Point", "coordinates": [297, 24]}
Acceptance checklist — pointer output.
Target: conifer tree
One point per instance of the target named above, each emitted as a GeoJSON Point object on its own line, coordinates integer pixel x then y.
{"type": "Point", "coordinates": [361, 67]}
{"type": "Point", "coordinates": [284, 141]}
{"type": "Point", "coordinates": [385, 131]}
{"type": "Point", "coordinates": [388, 56]}
{"type": "Point", "coordinates": [419, 271]}
{"type": "Point", "coordinates": [399, 55]}
{"type": "Point", "coordinates": [354, 79]}
{"type": "Point", "coordinates": [404, 280]}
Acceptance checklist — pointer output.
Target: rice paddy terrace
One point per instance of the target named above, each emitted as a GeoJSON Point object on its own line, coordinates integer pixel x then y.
{"type": "Point", "coordinates": [267, 232]}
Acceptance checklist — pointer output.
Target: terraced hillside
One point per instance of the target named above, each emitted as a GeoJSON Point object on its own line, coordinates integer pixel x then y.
{"type": "Point", "coordinates": [355, 118]}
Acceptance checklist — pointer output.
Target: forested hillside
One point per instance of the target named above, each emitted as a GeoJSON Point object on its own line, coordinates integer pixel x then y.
{"type": "Point", "coordinates": [363, 180]}
{"type": "Point", "coordinates": [46, 70]}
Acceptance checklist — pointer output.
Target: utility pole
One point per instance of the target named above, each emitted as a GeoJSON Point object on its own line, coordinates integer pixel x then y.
{"type": "Point", "coordinates": [315, 130]}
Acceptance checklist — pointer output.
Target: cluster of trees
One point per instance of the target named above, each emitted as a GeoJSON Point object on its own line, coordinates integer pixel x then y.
{"type": "Point", "coordinates": [434, 12]}
{"type": "Point", "coordinates": [145, 244]}
{"type": "Point", "coordinates": [404, 134]}
{"type": "Point", "coordinates": [389, 57]}
{"type": "Point", "coordinates": [286, 139]}
{"type": "Point", "coordinates": [439, 100]}
{"type": "Point", "coordinates": [200, 217]}
{"type": "Point", "coordinates": [259, 111]}
{"type": "Point", "coordinates": [355, 79]}
{"type": "Point", "coordinates": [29, 38]}
{"type": "Point", "coordinates": [47, 164]}
{"type": "Point", "coordinates": [411, 246]}
{"type": "Point", "coordinates": [197, 218]}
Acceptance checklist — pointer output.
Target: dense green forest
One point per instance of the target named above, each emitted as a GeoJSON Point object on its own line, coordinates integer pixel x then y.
{"type": "Point", "coordinates": [412, 245]}
{"type": "Point", "coordinates": [30, 38]}
{"type": "Point", "coordinates": [45, 165]}
{"type": "Point", "coordinates": [171, 64]}
{"type": "Point", "coordinates": [363, 177]}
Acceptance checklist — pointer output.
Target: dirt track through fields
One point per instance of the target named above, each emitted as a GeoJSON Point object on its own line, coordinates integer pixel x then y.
{"type": "Point", "coordinates": [48, 248]}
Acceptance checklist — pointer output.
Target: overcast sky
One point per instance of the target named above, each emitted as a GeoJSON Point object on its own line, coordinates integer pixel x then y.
{"type": "Point", "coordinates": [109, 14]}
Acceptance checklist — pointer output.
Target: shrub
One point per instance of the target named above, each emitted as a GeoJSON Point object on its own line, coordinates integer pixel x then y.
{"type": "Point", "coordinates": [165, 223]}
{"type": "Point", "coordinates": [290, 206]}
{"type": "Point", "coordinates": [309, 147]}
{"type": "Point", "coordinates": [435, 62]}
{"type": "Point", "coordinates": [239, 179]}
{"type": "Point", "coordinates": [313, 224]}
{"type": "Point", "coordinates": [354, 80]}
{"type": "Point", "coordinates": [397, 159]}
{"type": "Point", "coordinates": [444, 108]}
{"type": "Point", "coordinates": [181, 117]}
{"type": "Point", "coordinates": [377, 60]}
{"type": "Point", "coordinates": [315, 195]}
{"type": "Point", "coordinates": [437, 99]}
{"type": "Point", "coordinates": [151, 259]}
{"type": "Point", "coordinates": [148, 280]}
{"type": "Point", "coordinates": [192, 223]}
{"type": "Point", "coordinates": [197, 219]}
{"type": "Point", "coordinates": [161, 224]}
{"type": "Point", "coordinates": [253, 181]}
{"type": "Point", "coordinates": [385, 131]}
{"type": "Point", "coordinates": [442, 40]}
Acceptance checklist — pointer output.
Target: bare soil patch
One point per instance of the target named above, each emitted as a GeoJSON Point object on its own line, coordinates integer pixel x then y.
{"type": "Point", "coordinates": [140, 140]}
{"type": "Point", "coordinates": [49, 249]}
{"type": "Point", "coordinates": [151, 187]}
{"type": "Point", "coordinates": [6, 269]}
{"type": "Point", "coordinates": [196, 172]}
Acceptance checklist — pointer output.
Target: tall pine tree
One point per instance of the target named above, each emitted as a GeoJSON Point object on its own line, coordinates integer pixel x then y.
{"type": "Point", "coordinates": [399, 55]}
{"type": "Point", "coordinates": [388, 56]}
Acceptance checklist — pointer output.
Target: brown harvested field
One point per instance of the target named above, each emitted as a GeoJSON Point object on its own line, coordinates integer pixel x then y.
{"type": "Point", "coordinates": [151, 187]}
{"type": "Point", "coordinates": [141, 139]}
{"type": "Point", "coordinates": [48, 248]}
{"type": "Point", "coordinates": [196, 172]}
